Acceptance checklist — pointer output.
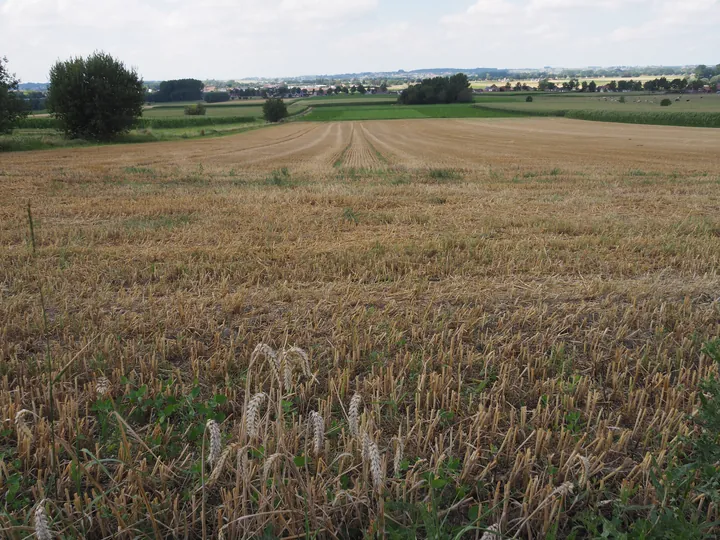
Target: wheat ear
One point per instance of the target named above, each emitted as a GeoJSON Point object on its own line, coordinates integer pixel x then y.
{"type": "Point", "coordinates": [42, 529]}
{"type": "Point", "coordinates": [253, 414]}
{"type": "Point", "coordinates": [354, 415]}
{"type": "Point", "coordinates": [215, 441]}
{"type": "Point", "coordinates": [317, 426]}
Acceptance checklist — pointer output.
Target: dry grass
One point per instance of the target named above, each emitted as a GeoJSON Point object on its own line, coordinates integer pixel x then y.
{"type": "Point", "coordinates": [519, 307]}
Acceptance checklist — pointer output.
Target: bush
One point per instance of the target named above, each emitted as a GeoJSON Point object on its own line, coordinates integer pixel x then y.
{"type": "Point", "coordinates": [622, 99]}
{"type": "Point", "coordinates": [529, 99]}
{"type": "Point", "coordinates": [665, 103]}
{"type": "Point", "coordinates": [198, 109]}
{"type": "Point", "coordinates": [274, 110]}
{"type": "Point", "coordinates": [12, 108]}
{"type": "Point", "coordinates": [95, 98]}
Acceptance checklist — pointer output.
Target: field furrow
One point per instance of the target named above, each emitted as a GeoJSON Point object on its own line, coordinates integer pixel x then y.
{"type": "Point", "coordinates": [360, 154]}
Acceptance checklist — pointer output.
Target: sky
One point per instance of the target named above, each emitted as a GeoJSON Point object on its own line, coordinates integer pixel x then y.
{"type": "Point", "coordinates": [233, 39]}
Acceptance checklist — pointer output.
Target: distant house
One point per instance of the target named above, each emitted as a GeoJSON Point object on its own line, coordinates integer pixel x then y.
{"type": "Point", "coordinates": [491, 88]}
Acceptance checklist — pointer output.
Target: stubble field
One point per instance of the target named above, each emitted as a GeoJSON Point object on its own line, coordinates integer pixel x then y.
{"type": "Point", "coordinates": [518, 305]}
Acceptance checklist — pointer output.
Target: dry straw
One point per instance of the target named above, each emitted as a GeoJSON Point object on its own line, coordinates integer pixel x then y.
{"type": "Point", "coordinates": [488, 370]}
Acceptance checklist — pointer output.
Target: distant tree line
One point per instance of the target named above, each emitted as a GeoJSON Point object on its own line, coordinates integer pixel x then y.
{"type": "Point", "coordinates": [707, 72]}
{"type": "Point", "coordinates": [244, 92]}
{"type": "Point", "coordinates": [359, 88]}
{"type": "Point", "coordinates": [662, 84]}
{"type": "Point", "coordinates": [454, 89]}
{"type": "Point", "coordinates": [216, 97]}
{"type": "Point", "coordinates": [177, 90]}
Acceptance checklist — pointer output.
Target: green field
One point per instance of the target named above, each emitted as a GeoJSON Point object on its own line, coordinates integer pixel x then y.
{"type": "Point", "coordinates": [395, 112]}
{"type": "Point", "coordinates": [691, 110]}
{"type": "Point", "coordinates": [351, 99]}
{"type": "Point", "coordinates": [165, 112]}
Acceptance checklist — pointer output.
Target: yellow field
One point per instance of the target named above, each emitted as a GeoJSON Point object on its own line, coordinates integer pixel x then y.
{"type": "Point", "coordinates": [520, 305]}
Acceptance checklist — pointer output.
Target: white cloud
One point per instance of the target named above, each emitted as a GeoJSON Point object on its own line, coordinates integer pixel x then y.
{"type": "Point", "coordinates": [675, 19]}
{"type": "Point", "coordinates": [235, 38]}
{"type": "Point", "coordinates": [586, 32]}
{"type": "Point", "coordinates": [168, 38]}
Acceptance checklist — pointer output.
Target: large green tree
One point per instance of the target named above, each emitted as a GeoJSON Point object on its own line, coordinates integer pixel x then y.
{"type": "Point", "coordinates": [274, 110]}
{"type": "Point", "coordinates": [12, 107]}
{"type": "Point", "coordinates": [95, 97]}
{"type": "Point", "coordinates": [455, 89]}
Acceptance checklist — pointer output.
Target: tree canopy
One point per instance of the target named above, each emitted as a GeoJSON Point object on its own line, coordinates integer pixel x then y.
{"type": "Point", "coordinates": [274, 110]}
{"type": "Point", "coordinates": [12, 107]}
{"type": "Point", "coordinates": [454, 89]}
{"type": "Point", "coordinates": [95, 97]}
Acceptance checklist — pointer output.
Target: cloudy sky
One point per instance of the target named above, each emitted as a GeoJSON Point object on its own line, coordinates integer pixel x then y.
{"type": "Point", "coordinates": [241, 38]}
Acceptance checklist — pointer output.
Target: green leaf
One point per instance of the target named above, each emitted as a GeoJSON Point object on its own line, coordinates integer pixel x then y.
{"type": "Point", "coordinates": [300, 461]}
{"type": "Point", "coordinates": [438, 483]}
{"type": "Point", "coordinates": [474, 512]}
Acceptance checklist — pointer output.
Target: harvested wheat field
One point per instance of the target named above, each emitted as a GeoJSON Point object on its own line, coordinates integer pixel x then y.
{"type": "Point", "coordinates": [501, 324]}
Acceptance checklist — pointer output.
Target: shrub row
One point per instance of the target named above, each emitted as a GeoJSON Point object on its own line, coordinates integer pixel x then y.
{"type": "Point", "coordinates": [150, 123]}
{"type": "Point", "coordinates": [689, 119]}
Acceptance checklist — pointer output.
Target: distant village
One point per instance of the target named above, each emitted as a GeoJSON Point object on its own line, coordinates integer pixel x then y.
{"type": "Point", "coordinates": [284, 91]}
